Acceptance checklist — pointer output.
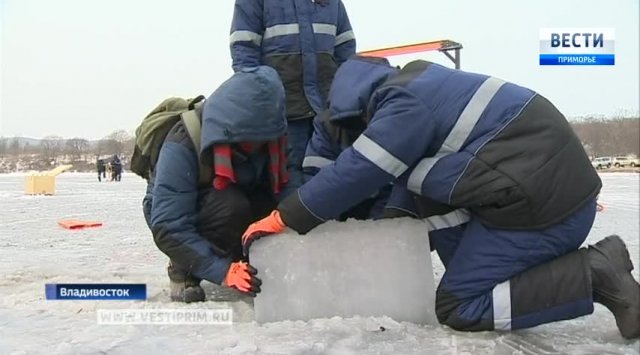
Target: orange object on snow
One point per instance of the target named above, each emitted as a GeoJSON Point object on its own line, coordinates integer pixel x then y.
{"type": "Point", "coordinates": [77, 224]}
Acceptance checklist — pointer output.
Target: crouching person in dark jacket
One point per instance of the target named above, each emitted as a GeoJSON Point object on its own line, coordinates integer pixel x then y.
{"type": "Point", "coordinates": [520, 189]}
{"type": "Point", "coordinates": [242, 142]}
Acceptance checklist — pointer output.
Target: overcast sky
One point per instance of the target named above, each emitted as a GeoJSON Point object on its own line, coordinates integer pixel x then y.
{"type": "Point", "coordinates": [89, 67]}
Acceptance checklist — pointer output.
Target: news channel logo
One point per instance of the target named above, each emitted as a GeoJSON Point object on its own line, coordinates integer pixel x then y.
{"type": "Point", "coordinates": [577, 46]}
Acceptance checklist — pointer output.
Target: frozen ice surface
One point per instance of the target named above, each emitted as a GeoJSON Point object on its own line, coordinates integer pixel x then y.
{"type": "Point", "coordinates": [35, 251]}
{"type": "Point", "coordinates": [379, 268]}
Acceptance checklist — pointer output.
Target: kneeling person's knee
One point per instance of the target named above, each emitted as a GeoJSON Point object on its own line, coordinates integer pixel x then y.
{"type": "Point", "coordinates": [449, 312]}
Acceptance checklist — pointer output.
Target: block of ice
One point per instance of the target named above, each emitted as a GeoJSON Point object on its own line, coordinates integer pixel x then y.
{"type": "Point", "coordinates": [372, 268]}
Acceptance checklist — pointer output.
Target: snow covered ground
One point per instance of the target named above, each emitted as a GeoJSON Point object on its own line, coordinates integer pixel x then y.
{"type": "Point", "coordinates": [35, 251]}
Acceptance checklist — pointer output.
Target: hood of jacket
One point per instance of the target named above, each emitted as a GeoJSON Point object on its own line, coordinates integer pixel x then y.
{"type": "Point", "coordinates": [354, 83]}
{"type": "Point", "coordinates": [247, 107]}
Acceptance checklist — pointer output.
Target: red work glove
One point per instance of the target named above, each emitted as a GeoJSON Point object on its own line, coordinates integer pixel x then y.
{"type": "Point", "coordinates": [269, 225]}
{"type": "Point", "coordinates": [241, 276]}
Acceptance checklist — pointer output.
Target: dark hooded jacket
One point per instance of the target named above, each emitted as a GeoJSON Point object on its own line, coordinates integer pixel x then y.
{"type": "Point", "coordinates": [247, 107]}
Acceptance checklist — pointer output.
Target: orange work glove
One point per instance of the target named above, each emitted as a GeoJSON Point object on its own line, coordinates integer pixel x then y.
{"type": "Point", "coordinates": [242, 277]}
{"type": "Point", "coordinates": [269, 225]}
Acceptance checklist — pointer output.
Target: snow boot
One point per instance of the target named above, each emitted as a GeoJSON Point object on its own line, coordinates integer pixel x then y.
{"type": "Point", "coordinates": [184, 287]}
{"type": "Point", "coordinates": [613, 285]}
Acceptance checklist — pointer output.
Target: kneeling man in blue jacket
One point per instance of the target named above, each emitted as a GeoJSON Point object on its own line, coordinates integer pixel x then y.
{"type": "Point", "coordinates": [518, 189]}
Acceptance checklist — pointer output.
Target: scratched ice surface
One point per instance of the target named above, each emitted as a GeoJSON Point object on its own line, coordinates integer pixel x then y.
{"type": "Point", "coordinates": [35, 251]}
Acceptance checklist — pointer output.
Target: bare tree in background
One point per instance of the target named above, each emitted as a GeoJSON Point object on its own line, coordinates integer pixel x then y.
{"type": "Point", "coordinates": [31, 149]}
{"type": "Point", "coordinates": [129, 146]}
{"type": "Point", "coordinates": [115, 142]}
{"type": "Point", "coordinates": [4, 146]}
{"type": "Point", "coordinates": [100, 148]}
{"type": "Point", "coordinates": [109, 146]}
{"type": "Point", "coordinates": [76, 148]}
{"type": "Point", "coordinates": [14, 147]}
{"type": "Point", "coordinates": [51, 147]}
{"type": "Point", "coordinates": [607, 137]}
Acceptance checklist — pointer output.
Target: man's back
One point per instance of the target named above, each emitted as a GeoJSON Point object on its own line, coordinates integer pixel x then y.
{"type": "Point", "coordinates": [305, 41]}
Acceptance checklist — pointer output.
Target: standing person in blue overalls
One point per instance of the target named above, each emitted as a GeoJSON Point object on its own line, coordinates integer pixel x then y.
{"type": "Point", "coordinates": [305, 41]}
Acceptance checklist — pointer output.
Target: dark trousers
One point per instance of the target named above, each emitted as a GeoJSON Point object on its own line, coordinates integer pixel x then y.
{"type": "Point", "coordinates": [223, 216]}
{"type": "Point", "coordinates": [298, 135]}
{"type": "Point", "coordinates": [511, 279]}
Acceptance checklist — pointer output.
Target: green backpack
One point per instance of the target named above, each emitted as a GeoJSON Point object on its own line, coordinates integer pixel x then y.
{"type": "Point", "coordinates": [153, 129]}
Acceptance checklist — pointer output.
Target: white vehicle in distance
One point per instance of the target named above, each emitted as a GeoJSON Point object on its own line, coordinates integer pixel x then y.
{"type": "Point", "coordinates": [626, 160]}
{"type": "Point", "coordinates": [602, 162]}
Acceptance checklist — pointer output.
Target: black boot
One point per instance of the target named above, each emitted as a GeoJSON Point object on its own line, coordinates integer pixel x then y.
{"type": "Point", "coordinates": [613, 285]}
{"type": "Point", "coordinates": [184, 287]}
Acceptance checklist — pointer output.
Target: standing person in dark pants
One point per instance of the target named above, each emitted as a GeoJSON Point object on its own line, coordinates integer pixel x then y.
{"type": "Point", "coordinates": [101, 168]}
{"type": "Point", "coordinates": [305, 41]}
{"type": "Point", "coordinates": [117, 167]}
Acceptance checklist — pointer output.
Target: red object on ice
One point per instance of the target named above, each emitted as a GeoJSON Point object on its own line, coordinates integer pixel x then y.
{"type": "Point", "coordinates": [78, 224]}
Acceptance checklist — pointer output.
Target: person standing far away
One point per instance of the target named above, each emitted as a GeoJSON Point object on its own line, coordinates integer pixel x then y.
{"type": "Point", "coordinates": [305, 41]}
{"type": "Point", "coordinates": [100, 167]}
{"type": "Point", "coordinates": [117, 167]}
